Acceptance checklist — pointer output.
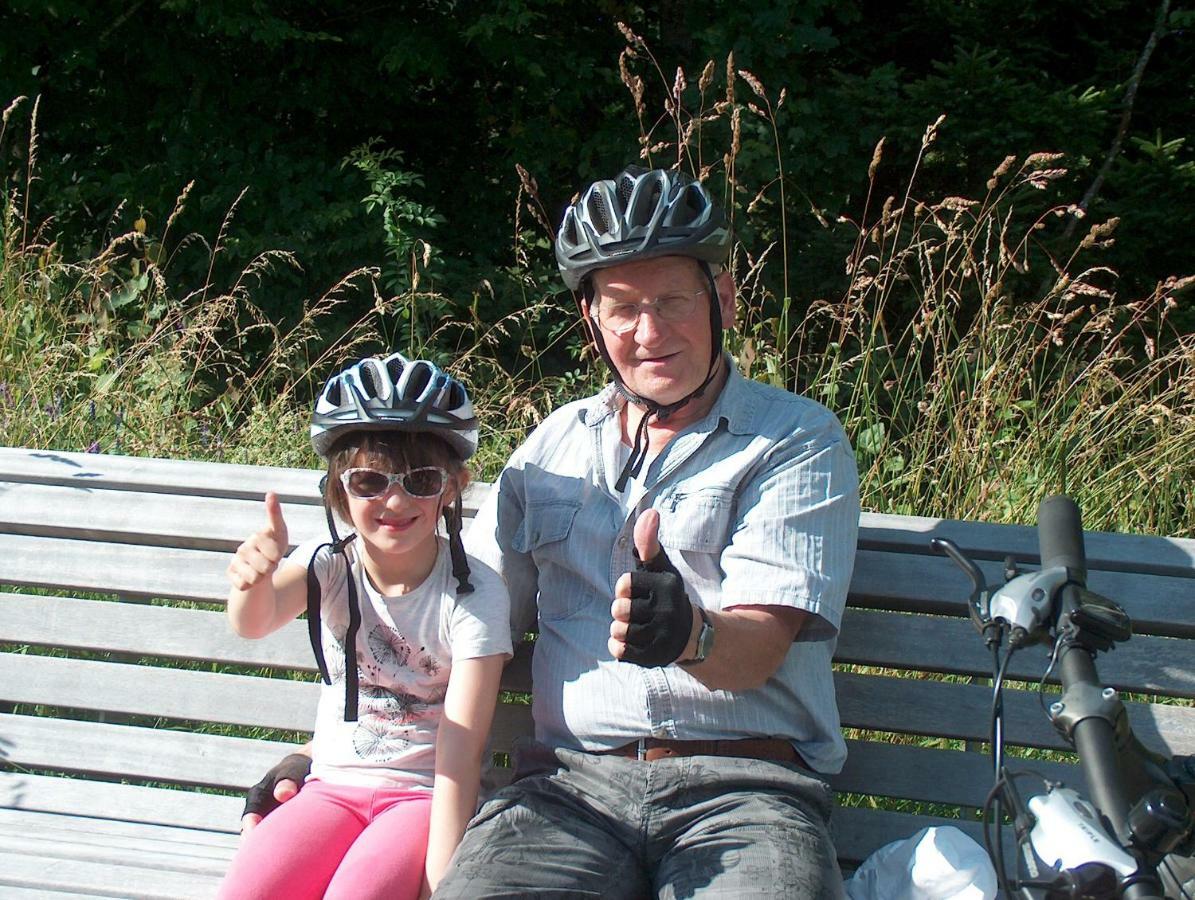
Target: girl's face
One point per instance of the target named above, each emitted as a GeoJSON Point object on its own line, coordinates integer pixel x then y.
{"type": "Point", "coordinates": [396, 525]}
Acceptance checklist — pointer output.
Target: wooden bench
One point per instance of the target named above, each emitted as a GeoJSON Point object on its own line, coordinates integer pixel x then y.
{"type": "Point", "coordinates": [130, 722]}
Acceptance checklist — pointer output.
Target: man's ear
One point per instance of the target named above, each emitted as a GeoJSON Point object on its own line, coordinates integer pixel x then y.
{"type": "Point", "coordinates": [727, 298]}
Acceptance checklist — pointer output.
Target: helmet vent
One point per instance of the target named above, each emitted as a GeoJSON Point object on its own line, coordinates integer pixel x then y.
{"type": "Point", "coordinates": [419, 378]}
{"type": "Point", "coordinates": [394, 368]}
{"type": "Point", "coordinates": [597, 211]}
{"type": "Point", "coordinates": [369, 380]}
{"type": "Point", "coordinates": [626, 187]}
{"type": "Point", "coordinates": [332, 392]}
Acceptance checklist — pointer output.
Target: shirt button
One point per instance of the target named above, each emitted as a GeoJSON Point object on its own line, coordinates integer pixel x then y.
{"type": "Point", "coordinates": [622, 542]}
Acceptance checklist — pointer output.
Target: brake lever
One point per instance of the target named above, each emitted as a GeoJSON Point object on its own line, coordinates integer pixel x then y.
{"type": "Point", "coordinates": [978, 602]}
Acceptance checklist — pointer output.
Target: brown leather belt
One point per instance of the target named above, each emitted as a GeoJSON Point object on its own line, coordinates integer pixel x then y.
{"type": "Point", "coordinates": [651, 749]}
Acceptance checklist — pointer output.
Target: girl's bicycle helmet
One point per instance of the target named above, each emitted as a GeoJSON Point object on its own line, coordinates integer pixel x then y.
{"type": "Point", "coordinates": [394, 394]}
{"type": "Point", "coordinates": [391, 394]}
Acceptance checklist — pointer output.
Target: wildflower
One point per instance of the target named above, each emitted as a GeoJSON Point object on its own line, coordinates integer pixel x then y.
{"type": "Point", "coordinates": [93, 447]}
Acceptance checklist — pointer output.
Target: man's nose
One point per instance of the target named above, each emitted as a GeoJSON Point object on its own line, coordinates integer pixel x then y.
{"type": "Point", "coordinates": [650, 326]}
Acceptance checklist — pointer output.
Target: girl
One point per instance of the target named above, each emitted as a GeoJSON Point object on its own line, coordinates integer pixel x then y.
{"type": "Point", "coordinates": [398, 749]}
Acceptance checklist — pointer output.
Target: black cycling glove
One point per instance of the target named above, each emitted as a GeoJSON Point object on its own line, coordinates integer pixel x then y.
{"type": "Point", "coordinates": [661, 614]}
{"type": "Point", "coordinates": [260, 798]}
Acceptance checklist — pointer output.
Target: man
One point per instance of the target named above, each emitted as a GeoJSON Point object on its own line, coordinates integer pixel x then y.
{"type": "Point", "coordinates": [679, 726]}
{"type": "Point", "coordinates": [685, 539]}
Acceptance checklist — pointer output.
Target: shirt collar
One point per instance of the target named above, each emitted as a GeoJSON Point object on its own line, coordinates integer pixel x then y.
{"type": "Point", "coordinates": [737, 405]}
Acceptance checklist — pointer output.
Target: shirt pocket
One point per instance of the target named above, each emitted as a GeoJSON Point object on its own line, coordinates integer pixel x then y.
{"type": "Point", "coordinates": [698, 521]}
{"type": "Point", "coordinates": [545, 522]}
{"type": "Point", "coordinates": [548, 537]}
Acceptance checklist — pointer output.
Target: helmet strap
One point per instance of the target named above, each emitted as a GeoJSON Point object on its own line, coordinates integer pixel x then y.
{"type": "Point", "coordinates": [456, 547]}
{"type": "Point", "coordinates": [314, 601]}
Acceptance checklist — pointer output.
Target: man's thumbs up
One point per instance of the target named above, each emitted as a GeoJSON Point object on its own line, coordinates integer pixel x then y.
{"type": "Point", "coordinates": [258, 557]}
{"type": "Point", "coordinates": [647, 537]}
{"type": "Point", "coordinates": [653, 618]}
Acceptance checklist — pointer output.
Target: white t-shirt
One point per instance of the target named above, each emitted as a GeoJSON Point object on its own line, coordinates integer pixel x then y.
{"type": "Point", "coordinates": [405, 648]}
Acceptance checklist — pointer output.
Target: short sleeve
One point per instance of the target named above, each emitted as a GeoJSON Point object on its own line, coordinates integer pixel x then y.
{"type": "Point", "coordinates": [479, 622]}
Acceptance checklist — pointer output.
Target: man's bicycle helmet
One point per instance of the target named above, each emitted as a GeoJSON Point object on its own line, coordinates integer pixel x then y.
{"type": "Point", "coordinates": [391, 394]}
{"type": "Point", "coordinates": [642, 214]}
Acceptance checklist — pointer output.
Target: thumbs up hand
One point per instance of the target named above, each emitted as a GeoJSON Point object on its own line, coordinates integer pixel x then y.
{"type": "Point", "coordinates": [652, 616]}
{"type": "Point", "coordinates": [258, 557]}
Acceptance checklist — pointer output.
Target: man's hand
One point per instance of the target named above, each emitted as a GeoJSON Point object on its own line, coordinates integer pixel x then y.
{"type": "Point", "coordinates": [653, 618]}
{"type": "Point", "coordinates": [280, 784]}
{"type": "Point", "coordinates": [258, 557]}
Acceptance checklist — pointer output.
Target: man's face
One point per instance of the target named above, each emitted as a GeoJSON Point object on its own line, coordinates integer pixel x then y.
{"type": "Point", "coordinates": [660, 360]}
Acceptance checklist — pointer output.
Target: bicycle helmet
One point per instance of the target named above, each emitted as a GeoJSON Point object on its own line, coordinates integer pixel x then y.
{"type": "Point", "coordinates": [394, 394]}
{"type": "Point", "coordinates": [391, 394]}
{"type": "Point", "coordinates": [641, 214]}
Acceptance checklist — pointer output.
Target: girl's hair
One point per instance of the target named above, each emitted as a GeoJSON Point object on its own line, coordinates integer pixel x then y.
{"type": "Point", "coordinates": [388, 451]}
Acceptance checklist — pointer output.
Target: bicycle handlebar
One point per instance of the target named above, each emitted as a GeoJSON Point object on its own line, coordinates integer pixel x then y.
{"type": "Point", "coordinates": [1060, 540]}
{"type": "Point", "coordinates": [1060, 537]}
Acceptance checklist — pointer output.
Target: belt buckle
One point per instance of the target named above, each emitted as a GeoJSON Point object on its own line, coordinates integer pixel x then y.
{"type": "Point", "coordinates": [641, 749]}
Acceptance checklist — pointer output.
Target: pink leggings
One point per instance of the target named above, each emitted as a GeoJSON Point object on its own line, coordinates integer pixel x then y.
{"type": "Point", "coordinates": [335, 841]}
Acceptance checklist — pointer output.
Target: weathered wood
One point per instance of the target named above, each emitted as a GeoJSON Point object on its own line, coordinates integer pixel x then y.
{"type": "Point", "coordinates": [123, 803]}
{"type": "Point", "coordinates": [129, 751]}
{"type": "Point", "coordinates": [1145, 664]}
{"type": "Point", "coordinates": [140, 517]}
{"type": "Point", "coordinates": [143, 630]}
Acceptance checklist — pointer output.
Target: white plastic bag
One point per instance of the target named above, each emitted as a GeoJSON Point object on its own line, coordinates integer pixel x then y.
{"type": "Point", "coordinates": [934, 864]}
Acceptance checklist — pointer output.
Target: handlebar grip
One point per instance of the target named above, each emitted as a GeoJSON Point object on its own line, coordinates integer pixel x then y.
{"type": "Point", "coordinates": [1060, 536]}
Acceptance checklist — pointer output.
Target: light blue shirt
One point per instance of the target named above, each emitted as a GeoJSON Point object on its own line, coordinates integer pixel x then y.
{"type": "Point", "coordinates": [758, 504]}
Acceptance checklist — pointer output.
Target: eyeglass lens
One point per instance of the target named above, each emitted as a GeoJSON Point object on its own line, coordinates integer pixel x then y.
{"type": "Point", "coordinates": [366, 484]}
{"type": "Point", "coordinates": [622, 317]}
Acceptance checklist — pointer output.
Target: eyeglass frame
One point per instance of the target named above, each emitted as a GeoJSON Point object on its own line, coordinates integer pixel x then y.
{"type": "Point", "coordinates": [392, 479]}
{"type": "Point", "coordinates": [595, 306]}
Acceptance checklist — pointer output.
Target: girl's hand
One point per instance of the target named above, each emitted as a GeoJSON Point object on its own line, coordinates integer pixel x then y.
{"type": "Point", "coordinates": [258, 557]}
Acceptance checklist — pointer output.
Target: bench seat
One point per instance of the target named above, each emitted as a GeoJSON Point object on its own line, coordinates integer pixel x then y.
{"type": "Point", "coordinates": [132, 718]}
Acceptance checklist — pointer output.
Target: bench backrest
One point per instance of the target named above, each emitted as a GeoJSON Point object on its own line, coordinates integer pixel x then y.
{"type": "Point", "coordinates": [120, 672]}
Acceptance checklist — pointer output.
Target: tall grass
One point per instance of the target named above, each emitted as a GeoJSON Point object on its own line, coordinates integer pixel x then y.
{"type": "Point", "coordinates": [976, 365]}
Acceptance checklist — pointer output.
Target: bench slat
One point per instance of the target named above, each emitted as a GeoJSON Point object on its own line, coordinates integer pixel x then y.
{"type": "Point", "coordinates": [896, 581]}
{"type": "Point", "coordinates": [1145, 664]}
{"type": "Point", "coordinates": [127, 751]}
{"type": "Point", "coordinates": [1117, 552]}
{"type": "Point", "coordinates": [140, 629]}
{"type": "Point", "coordinates": [171, 476]}
{"type": "Point", "coordinates": [933, 584]}
{"type": "Point", "coordinates": [123, 803]}
{"type": "Point", "coordinates": [123, 751]}
{"type": "Point", "coordinates": [1135, 553]}
{"type": "Point", "coordinates": [150, 691]}
{"type": "Point", "coordinates": [136, 517]}
{"type": "Point", "coordinates": [857, 831]}
{"type": "Point", "coordinates": [960, 711]}
{"type": "Point", "coordinates": [64, 876]}
{"type": "Point", "coordinates": [901, 705]}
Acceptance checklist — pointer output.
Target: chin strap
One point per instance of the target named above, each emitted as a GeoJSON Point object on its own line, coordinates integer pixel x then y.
{"type": "Point", "coordinates": [453, 520]}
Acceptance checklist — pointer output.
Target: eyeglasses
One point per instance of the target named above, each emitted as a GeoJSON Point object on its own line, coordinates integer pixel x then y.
{"type": "Point", "coordinates": [618, 317]}
{"type": "Point", "coordinates": [369, 484]}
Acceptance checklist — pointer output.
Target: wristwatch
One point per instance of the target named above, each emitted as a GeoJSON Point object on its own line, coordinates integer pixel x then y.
{"type": "Point", "coordinates": [705, 639]}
